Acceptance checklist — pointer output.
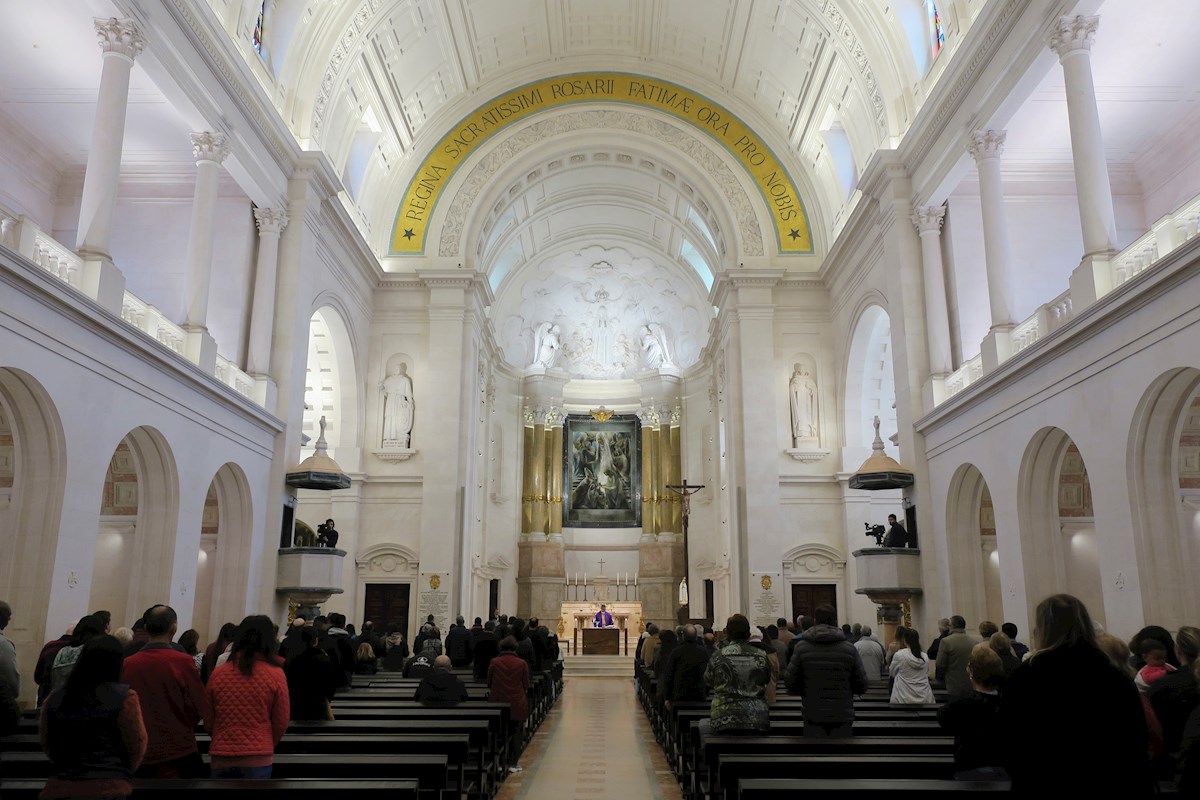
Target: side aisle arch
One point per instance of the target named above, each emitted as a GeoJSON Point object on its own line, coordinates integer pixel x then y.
{"type": "Point", "coordinates": [410, 232]}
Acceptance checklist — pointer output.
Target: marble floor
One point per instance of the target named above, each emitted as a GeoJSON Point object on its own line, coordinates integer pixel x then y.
{"type": "Point", "coordinates": [596, 743]}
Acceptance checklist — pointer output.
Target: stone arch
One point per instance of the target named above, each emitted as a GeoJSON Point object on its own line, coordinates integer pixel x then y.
{"type": "Point", "coordinates": [1166, 525]}
{"type": "Point", "coordinates": [31, 502]}
{"type": "Point", "coordinates": [747, 219]}
{"type": "Point", "coordinates": [130, 570]}
{"type": "Point", "coordinates": [870, 383]}
{"type": "Point", "coordinates": [223, 571]}
{"type": "Point", "coordinates": [1056, 556]}
{"type": "Point", "coordinates": [974, 556]}
{"type": "Point", "coordinates": [332, 386]}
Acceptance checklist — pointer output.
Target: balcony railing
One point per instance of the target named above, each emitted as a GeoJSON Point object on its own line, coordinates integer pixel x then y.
{"type": "Point", "coordinates": [22, 235]}
{"type": "Point", "coordinates": [1170, 232]}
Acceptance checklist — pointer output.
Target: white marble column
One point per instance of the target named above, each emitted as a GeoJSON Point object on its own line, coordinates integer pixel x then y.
{"type": "Point", "coordinates": [270, 222]}
{"type": "Point", "coordinates": [210, 149]}
{"type": "Point", "coordinates": [1072, 41]}
{"type": "Point", "coordinates": [986, 147]}
{"type": "Point", "coordinates": [120, 43]}
{"type": "Point", "coordinates": [928, 221]}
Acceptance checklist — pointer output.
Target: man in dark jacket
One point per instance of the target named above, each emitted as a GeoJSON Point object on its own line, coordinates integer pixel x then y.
{"type": "Point", "coordinates": [442, 687]}
{"type": "Point", "coordinates": [827, 672]}
{"type": "Point", "coordinates": [487, 647]}
{"type": "Point", "coordinates": [342, 644]}
{"type": "Point", "coordinates": [683, 673]}
{"type": "Point", "coordinates": [458, 644]}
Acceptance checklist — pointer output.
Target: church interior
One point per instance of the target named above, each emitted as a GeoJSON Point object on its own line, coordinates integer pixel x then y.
{"type": "Point", "coordinates": [664, 304]}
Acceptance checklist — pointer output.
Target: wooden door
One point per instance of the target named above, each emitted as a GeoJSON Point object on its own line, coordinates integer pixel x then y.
{"type": "Point", "coordinates": [806, 597]}
{"type": "Point", "coordinates": [387, 606]}
{"type": "Point", "coordinates": [493, 597]}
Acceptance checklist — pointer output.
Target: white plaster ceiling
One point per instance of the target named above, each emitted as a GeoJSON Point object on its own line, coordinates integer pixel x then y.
{"type": "Point", "coordinates": [50, 66]}
{"type": "Point", "coordinates": [600, 297]}
{"type": "Point", "coordinates": [408, 69]}
{"type": "Point", "coordinates": [1144, 66]}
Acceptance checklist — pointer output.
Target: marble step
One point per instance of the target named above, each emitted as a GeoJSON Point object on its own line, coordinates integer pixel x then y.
{"type": "Point", "coordinates": [598, 666]}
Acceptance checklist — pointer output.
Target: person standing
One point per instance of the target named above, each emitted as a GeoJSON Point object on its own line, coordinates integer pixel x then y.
{"type": "Point", "coordinates": [943, 632]}
{"type": "Point", "coordinates": [442, 687]}
{"type": "Point", "coordinates": [1176, 696]}
{"type": "Point", "coordinates": [486, 646]}
{"type": "Point", "coordinates": [508, 681]}
{"type": "Point", "coordinates": [738, 674]}
{"type": "Point", "coordinates": [91, 728]}
{"type": "Point", "coordinates": [897, 536]}
{"type": "Point", "coordinates": [45, 663]}
{"type": "Point", "coordinates": [910, 674]}
{"type": "Point", "coordinates": [172, 700]}
{"type": "Point", "coordinates": [311, 678]}
{"type": "Point", "coordinates": [86, 629]}
{"type": "Point", "coordinates": [872, 655]}
{"type": "Point", "coordinates": [458, 644]}
{"type": "Point", "coordinates": [250, 704]}
{"type": "Point", "coordinates": [974, 720]}
{"type": "Point", "coordinates": [682, 676]}
{"type": "Point", "coordinates": [1069, 706]}
{"type": "Point", "coordinates": [10, 677]}
{"type": "Point", "coordinates": [827, 672]}
{"type": "Point", "coordinates": [952, 658]}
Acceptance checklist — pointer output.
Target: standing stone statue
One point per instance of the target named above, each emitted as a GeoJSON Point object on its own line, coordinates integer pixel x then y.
{"type": "Point", "coordinates": [397, 407]}
{"type": "Point", "coordinates": [802, 391]}
{"type": "Point", "coordinates": [654, 345]}
{"type": "Point", "coordinates": [546, 344]}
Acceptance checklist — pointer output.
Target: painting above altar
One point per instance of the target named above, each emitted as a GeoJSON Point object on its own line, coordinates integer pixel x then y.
{"type": "Point", "coordinates": [602, 471]}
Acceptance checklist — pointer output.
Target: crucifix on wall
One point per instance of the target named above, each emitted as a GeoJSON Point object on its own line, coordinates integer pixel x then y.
{"type": "Point", "coordinates": [685, 492]}
{"type": "Point", "coordinates": [602, 566]}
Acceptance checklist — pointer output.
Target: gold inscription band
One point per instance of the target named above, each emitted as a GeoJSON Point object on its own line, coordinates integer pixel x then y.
{"type": "Point", "coordinates": [790, 221]}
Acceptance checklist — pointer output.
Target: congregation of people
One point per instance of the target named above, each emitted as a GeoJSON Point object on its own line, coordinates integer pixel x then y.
{"type": "Point", "coordinates": [114, 705]}
{"type": "Point", "coordinates": [1017, 713]}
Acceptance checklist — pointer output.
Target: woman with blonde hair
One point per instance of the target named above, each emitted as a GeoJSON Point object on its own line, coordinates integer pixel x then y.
{"type": "Point", "coordinates": [1067, 706]}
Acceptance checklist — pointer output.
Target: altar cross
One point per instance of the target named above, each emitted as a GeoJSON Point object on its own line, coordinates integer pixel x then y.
{"type": "Point", "coordinates": [602, 566]}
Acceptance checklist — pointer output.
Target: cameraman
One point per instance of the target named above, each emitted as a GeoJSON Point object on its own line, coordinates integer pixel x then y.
{"type": "Point", "coordinates": [327, 535]}
{"type": "Point", "coordinates": [897, 536]}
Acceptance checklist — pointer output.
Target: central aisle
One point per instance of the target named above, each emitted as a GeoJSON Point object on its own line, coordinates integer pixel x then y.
{"type": "Point", "coordinates": [595, 744]}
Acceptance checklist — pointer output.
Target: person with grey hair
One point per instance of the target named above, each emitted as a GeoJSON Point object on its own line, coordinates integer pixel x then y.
{"type": "Point", "coordinates": [943, 632]}
{"type": "Point", "coordinates": [442, 687]}
{"type": "Point", "coordinates": [10, 677]}
{"type": "Point", "coordinates": [872, 654]}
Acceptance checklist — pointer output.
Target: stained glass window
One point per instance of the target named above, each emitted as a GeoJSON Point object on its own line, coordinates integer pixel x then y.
{"type": "Point", "coordinates": [939, 33]}
{"type": "Point", "coordinates": [257, 38]}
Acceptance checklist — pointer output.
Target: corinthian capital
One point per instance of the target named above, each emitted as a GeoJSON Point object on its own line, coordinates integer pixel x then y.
{"type": "Point", "coordinates": [120, 36]}
{"type": "Point", "coordinates": [1073, 34]}
{"type": "Point", "coordinates": [209, 146]}
{"type": "Point", "coordinates": [270, 220]}
{"type": "Point", "coordinates": [987, 144]}
{"type": "Point", "coordinates": [928, 218]}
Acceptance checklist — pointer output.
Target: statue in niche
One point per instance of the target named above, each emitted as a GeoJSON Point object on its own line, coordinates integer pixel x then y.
{"type": "Point", "coordinates": [802, 391]}
{"type": "Point", "coordinates": [397, 407]}
{"type": "Point", "coordinates": [654, 346]}
{"type": "Point", "coordinates": [546, 344]}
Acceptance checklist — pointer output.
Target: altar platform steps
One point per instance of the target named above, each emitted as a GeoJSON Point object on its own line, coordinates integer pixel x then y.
{"type": "Point", "coordinates": [598, 666]}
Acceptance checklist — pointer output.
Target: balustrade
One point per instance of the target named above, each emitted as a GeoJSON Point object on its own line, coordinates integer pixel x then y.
{"type": "Point", "coordinates": [1168, 233]}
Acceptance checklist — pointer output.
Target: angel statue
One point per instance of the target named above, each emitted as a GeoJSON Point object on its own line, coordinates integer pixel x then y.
{"type": "Point", "coordinates": [546, 344]}
{"type": "Point", "coordinates": [654, 345]}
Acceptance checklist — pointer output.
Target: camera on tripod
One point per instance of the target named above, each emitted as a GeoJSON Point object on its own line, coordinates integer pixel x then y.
{"type": "Point", "coordinates": [878, 531]}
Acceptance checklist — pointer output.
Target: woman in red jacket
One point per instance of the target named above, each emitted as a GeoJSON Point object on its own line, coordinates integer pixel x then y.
{"type": "Point", "coordinates": [508, 682]}
{"type": "Point", "coordinates": [250, 705]}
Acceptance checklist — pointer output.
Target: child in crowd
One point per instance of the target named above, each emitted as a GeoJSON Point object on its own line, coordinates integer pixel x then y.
{"type": "Point", "coordinates": [1154, 653]}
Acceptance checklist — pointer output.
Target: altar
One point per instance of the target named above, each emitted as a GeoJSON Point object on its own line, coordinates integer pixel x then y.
{"type": "Point", "coordinates": [576, 617]}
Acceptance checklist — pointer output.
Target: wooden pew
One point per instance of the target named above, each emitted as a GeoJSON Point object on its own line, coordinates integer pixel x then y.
{"type": "Point", "coordinates": [281, 788]}
{"type": "Point", "coordinates": [730, 769]}
{"type": "Point", "coordinates": [786, 789]}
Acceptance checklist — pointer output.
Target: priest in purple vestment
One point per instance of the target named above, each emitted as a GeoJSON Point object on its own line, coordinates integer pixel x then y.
{"type": "Point", "coordinates": [603, 619]}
